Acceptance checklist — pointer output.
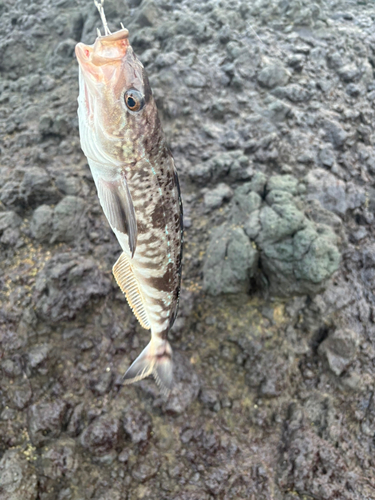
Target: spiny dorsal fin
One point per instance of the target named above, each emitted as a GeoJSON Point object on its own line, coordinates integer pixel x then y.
{"type": "Point", "coordinates": [128, 283]}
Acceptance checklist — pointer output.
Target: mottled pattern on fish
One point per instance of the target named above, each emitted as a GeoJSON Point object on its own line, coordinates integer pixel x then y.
{"type": "Point", "coordinates": [138, 188]}
{"type": "Point", "coordinates": [156, 263]}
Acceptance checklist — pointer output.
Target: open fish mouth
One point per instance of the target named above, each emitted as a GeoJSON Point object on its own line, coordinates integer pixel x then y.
{"type": "Point", "coordinates": [106, 49]}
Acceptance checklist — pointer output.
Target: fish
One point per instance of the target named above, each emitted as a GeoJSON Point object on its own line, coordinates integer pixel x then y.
{"type": "Point", "coordinates": [138, 189]}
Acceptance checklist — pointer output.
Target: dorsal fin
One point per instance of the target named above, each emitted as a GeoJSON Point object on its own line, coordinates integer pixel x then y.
{"type": "Point", "coordinates": [128, 283]}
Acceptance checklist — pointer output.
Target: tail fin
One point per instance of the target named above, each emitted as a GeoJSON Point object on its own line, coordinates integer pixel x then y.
{"type": "Point", "coordinates": [156, 360]}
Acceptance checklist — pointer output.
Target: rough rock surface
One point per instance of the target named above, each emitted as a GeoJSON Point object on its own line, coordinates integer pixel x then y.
{"type": "Point", "coordinates": [269, 110]}
{"type": "Point", "coordinates": [296, 255]}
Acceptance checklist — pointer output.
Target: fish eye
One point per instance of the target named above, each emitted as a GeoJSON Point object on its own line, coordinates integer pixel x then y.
{"type": "Point", "coordinates": [134, 100]}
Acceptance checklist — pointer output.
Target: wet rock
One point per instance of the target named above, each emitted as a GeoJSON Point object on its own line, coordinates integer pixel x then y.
{"type": "Point", "coordinates": [230, 261]}
{"type": "Point", "coordinates": [41, 223]}
{"type": "Point", "coordinates": [45, 420]}
{"type": "Point", "coordinates": [137, 425]}
{"type": "Point", "coordinates": [69, 219]}
{"type": "Point", "coordinates": [18, 477]}
{"type": "Point", "coordinates": [216, 197]}
{"type": "Point", "coordinates": [102, 435]}
{"type": "Point", "coordinates": [66, 284]}
{"type": "Point", "coordinates": [339, 349]}
{"type": "Point", "coordinates": [273, 75]}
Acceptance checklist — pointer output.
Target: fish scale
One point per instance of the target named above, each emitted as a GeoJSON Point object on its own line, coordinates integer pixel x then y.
{"type": "Point", "coordinates": [137, 184]}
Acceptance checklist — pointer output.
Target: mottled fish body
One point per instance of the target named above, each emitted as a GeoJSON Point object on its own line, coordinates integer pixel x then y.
{"type": "Point", "coordinates": [138, 189]}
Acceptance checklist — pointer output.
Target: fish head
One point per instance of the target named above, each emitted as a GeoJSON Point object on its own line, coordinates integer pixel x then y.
{"type": "Point", "coordinates": [115, 101]}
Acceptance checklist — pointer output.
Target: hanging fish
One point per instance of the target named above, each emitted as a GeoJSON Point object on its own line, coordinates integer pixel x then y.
{"type": "Point", "coordinates": [138, 189]}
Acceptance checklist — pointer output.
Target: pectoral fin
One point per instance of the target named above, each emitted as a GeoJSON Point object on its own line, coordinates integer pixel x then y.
{"type": "Point", "coordinates": [117, 204]}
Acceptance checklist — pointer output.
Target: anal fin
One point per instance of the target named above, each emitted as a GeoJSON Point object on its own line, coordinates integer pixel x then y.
{"type": "Point", "coordinates": [128, 283]}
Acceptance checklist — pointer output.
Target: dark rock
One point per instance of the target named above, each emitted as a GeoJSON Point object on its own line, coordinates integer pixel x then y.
{"type": "Point", "coordinates": [66, 284]}
{"type": "Point", "coordinates": [45, 420]}
{"type": "Point", "coordinates": [246, 200]}
{"type": "Point", "coordinates": [45, 124]}
{"type": "Point", "coordinates": [279, 110]}
{"type": "Point", "coordinates": [339, 349]}
{"type": "Point", "coordinates": [286, 183]}
{"type": "Point", "coordinates": [327, 156]}
{"type": "Point", "coordinates": [216, 479]}
{"type": "Point", "coordinates": [349, 73]}
{"type": "Point", "coordinates": [258, 183]}
{"type": "Point", "coordinates": [273, 75]}
{"type": "Point", "coordinates": [19, 395]}
{"type": "Point", "coordinates": [69, 219]}
{"type": "Point", "coordinates": [68, 184]}
{"type": "Point", "coordinates": [353, 90]}
{"type": "Point", "coordinates": [215, 197]}
{"type": "Point", "coordinates": [76, 421]}
{"type": "Point", "coordinates": [41, 223]}
{"type": "Point", "coordinates": [18, 477]}
{"type": "Point", "coordinates": [186, 385]}
{"type": "Point", "coordinates": [9, 220]}
{"type": "Point", "coordinates": [10, 194]}
{"type": "Point", "coordinates": [294, 92]}
{"type": "Point", "coordinates": [296, 256]}
{"type": "Point", "coordinates": [328, 190]}
{"type": "Point", "coordinates": [145, 470]}
{"type": "Point", "coordinates": [231, 165]}
{"type": "Point", "coordinates": [230, 261]}
{"type": "Point", "coordinates": [148, 15]}
{"type": "Point", "coordinates": [102, 435]}
{"type": "Point", "coordinates": [60, 460]}
{"type": "Point", "coordinates": [313, 466]}
{"type": "Point", "coordinates": [137, 424]}
{"type": "Point", "coordinates": [65, 49]}
{"type": "Point", "coordinates": [335, 134]}
{"type": "Point", "coordinates": [38, 355]}
{"type": "Point", "coordinates": [37, 188]}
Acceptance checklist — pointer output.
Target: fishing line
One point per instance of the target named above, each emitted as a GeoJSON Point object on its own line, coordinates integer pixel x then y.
{"type": "Point", "coordinates": [100, 8]}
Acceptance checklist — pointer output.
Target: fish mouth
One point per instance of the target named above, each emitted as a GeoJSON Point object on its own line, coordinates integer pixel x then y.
{"type": "Point", "coordinates": [106, 50]}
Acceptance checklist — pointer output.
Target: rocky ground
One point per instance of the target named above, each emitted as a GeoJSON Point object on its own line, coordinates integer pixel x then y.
{"type": "Point", "coordinates": [269, 109]}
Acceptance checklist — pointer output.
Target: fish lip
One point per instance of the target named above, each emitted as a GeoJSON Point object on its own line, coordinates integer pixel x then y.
{"type": "Point", "coordinates": [91, 55]}
{"type": "Point", "coordinates": [114, 37]}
